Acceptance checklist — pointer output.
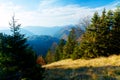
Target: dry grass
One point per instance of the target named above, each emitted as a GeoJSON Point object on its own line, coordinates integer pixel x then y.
{"type": "Point", "coordinates": [94, 69]}
{"type": "Point", "coordinates": [97, 62]}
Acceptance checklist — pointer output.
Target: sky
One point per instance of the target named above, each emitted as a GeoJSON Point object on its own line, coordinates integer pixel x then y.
{"type": "Point", "coordinates": [50, 12]}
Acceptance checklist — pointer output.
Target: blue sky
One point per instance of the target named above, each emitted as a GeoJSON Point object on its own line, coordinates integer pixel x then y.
{"type": "Point", "coordinates": [90, 3]}
{"type": "Point", "coordinates": [51, 12]}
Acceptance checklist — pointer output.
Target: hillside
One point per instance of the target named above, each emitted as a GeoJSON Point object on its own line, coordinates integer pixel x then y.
{"type": "Point", "coordinates": [64, 32]}
{"type": "Point", "coordinates": [94, 69]}
{"type": "Point", "coordinates": [97, 62]}
{"type": "Point", "coordinates": [41, 44]}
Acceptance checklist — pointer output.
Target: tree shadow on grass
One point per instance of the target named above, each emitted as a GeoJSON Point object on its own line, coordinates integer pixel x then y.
{"type": "Point", "coordinates": [83, 73]}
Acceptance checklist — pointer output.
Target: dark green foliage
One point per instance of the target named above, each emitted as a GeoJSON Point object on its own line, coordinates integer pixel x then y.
{"type": "Point", "coordinates": [66, 49]}
{"type": "Point", "coordinates": [70, 45]}
{"type": "Point", "coordinates": [52, 54]}
{"type": "Point", "coordinates": [17, 60]}
{"type": "Point", "coordinates": [88, 46]}
{"type": "Point", "coordinates": [55, 53]}
{"type": "Point", "coordinates": [76, 54]}
{"type": "Point", "coordinates": [49, 57]}
{"type": "Point", "coordinates": [110, 24]}
{"type": "Point", "coordinates": [59, 50]}
{"type": "Point", "coordinates": [116, 32]}
{"type": "Point", "coordinates": [102, 37]}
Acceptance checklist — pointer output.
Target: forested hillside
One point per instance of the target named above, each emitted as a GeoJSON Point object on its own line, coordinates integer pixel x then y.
{"type": "Point", "coordinates": [41, 44]}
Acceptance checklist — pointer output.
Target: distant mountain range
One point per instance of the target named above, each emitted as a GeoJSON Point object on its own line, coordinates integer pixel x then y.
{"type": "Point", "coordinates": [38, 30]}
{"type": "Point", "coordinates": [64, 32]}
{"type": "Point", "coordinates": [23, 31]}
{"type": "Point", "coordinates": [42, 38]}
{"type": "Point", "coordinates": [57, 31]}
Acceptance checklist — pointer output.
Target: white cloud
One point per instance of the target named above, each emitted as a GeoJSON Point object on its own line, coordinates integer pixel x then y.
{"type": "Point", "coordinates": [6, 11]}
{"type": "Point", "coordinates": [46, 3]}
{"type": "Point", "coordinates": [46, 14]}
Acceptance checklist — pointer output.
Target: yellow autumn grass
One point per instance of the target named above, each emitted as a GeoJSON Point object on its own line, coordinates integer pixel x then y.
{"type": "Point", "coordinates": [96, 62]}
{"type": "Point", "coordinates": [103, 68]}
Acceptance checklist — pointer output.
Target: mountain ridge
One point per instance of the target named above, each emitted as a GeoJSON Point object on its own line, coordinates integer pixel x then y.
{"type": "Point", "coordinates": [41, 43]}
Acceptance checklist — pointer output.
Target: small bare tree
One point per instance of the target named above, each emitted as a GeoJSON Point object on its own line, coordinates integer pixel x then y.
{"type": "Point", "coordinates": [84, 22]}
{"type": "Point", "coordinates": [14, 28]}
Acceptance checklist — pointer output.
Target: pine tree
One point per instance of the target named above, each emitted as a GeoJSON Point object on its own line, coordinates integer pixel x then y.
{"type": "Point", "coordinates": [59, 50]}
{"type": "Point", "coordinates": [53, 48]}
{"type": "Point", "coordinates": [5, 58]}
{"type": "Point", "coordinates": [102, 36]}
{"type": "Point", "coordinates": [20, 60]}
{"type": "Point", "coordinates": [70, 44]}
{"type": "Point", "coordinates": [49, 57]}
{"type": "Point", "coordinates": [116, 32]}
{"type": "Point", "coordinates": [76, 54]}
{"type": "Point", "coordinates": [52, 54]}
{"type": "Point", "coordinates": [110, 24]}
{"type": "Point", "coordinates": [89, 46]}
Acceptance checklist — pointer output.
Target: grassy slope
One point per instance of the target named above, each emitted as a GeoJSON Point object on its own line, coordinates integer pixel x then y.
{"type": "Point", "coordinates": [93, 69]}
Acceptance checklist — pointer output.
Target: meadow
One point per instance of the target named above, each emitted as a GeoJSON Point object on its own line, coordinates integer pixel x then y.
{"type": "Point", "coordinates": [103, 68]}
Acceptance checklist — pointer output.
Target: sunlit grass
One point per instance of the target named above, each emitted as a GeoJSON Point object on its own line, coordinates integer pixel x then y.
{"type": "Point", "coordinates": [103, 68]}
{"type": "Point", "coordinates": [97, 62]}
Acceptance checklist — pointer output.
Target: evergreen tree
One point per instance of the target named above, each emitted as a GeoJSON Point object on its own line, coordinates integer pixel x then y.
{"type": "Point", "coordinates": [76, 54]}
{"type": "Point", "coordinates": [53, 48]}
{"type": "Point", "coordinates": [5, 59]}
{"type": "Point", "coordinates": [52, 54]}
{"type": "Point", "coordinates": [20, 60]}
{"type": "Point", "coordinates": [116, 32]}
{"type": "Point", "coordinates": [59, 50]}
{"type": "Point", "coordinates": [49, 57]}
{"type": "Point", "coordinates": [102, 36]}
{"type": "Point", "coordinates": [70, 44]}
{"type": "Point", "coordinates": [88, 46]}
{"type": "Point", "coordinates": [110, 24]}
{"type": "Point", "coordinates": [57, 55]}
